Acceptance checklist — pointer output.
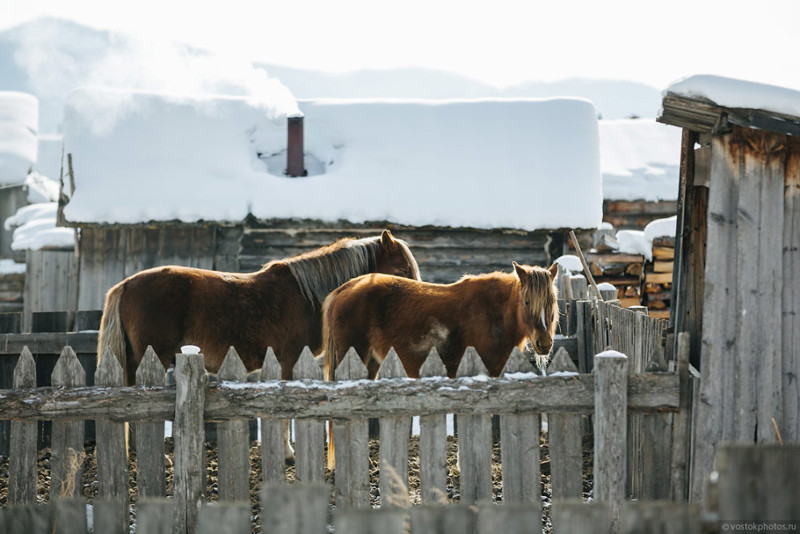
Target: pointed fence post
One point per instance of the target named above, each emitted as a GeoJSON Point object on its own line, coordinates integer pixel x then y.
{"type": "Point", "coordinates": [273, 468]}
{"type": "Point", "coordinates": [395, 432]}
{"type": "Point", "coordinates": [149, 437]}
{"type": "Point", "coordinates": [233, 440]}
{"type": "Point", "coordinates": [433, 440]}
{"type": "Point", "coordinates": [111, 449]}
{"type": "Point", "coordinates": [191, 382]}
{"type": "Point", "coordinates": [22, 477]}
{"type": "Point", "coordinates": [565, 441]}
{"type": "Point", "coordinates": [352, 444]}
{"type": "Point", "coordinates": [474, 439]}
{"type": "Point", "coordinates": [66, 458]}
{"type": "Point", "coordinates": [519, 446]}
{"type": "Point", "coordinates": [310, 434]}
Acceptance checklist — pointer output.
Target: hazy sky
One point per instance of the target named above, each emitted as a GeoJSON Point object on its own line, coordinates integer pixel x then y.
{"type": "Point", "coordinates": [499, 41]}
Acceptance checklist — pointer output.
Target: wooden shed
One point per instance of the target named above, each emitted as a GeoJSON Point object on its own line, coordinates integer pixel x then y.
{"type": "Point", "coordinates": [736, 285]}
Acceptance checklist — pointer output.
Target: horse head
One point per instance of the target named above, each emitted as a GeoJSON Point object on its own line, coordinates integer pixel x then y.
{"type": "Point", "coordinates": [538, 306]}
{"type": "Point", "coordinates": [395, 258]}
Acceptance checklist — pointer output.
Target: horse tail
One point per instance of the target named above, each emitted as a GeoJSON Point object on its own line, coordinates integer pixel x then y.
{"type": "Point", "coordinates": [329, 366]}
{"type": "Point", "coordinates": [112, 335]}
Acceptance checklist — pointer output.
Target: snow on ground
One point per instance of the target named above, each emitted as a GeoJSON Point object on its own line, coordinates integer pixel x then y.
{"type": "Point", "coordinates": [487, 163]}
{"type": "Point", "coordinates": [733, 93]}
{"type": "Point", "coordinates": [19, 120]}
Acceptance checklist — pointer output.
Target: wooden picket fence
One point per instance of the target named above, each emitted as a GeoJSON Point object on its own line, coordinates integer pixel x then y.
{"type": "Point", "coordinates": [520, 397]}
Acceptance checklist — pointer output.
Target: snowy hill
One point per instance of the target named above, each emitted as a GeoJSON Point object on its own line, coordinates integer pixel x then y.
{"type": "Point", "coordinates": [48, 57]}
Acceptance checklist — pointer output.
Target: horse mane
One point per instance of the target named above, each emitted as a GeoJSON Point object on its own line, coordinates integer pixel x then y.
{"type": "Point", "coordinates": [321, 271]}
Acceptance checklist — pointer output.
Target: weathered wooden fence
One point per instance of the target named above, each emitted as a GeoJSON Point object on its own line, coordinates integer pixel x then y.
{"type": "Point", "coordinates": [519, 397]}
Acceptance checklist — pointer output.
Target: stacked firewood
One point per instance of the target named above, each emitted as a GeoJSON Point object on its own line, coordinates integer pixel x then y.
{"type": "Point", "coordinates": [622, 270]}
{"type": "Point", "coordinates": [657, 277]}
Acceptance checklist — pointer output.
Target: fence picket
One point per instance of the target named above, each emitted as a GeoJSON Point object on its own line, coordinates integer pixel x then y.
{"type": "Point", "coordinates": [233, 440]}
{"type": "Point", "coordinates": [230, 518]}
{"type": "Point", "coordinates": [273, 461]}
{"type": "Point", "coordinates": [111, 449]}
{"type": "Point", "coordinates": [295, 508]}
{"type": "Point", "coordinates": [110, 514]}
{"type": "Point", "coordinates": [155, 515]}
{"type": "Point", "coordinates": [565, 442]}
{"type": "Point", "coordinates": [519, 446]}
{"type": "Point", "coordinates": [508, 518]}
{"type": "Point", "coordinates": [662, 517]}
{"type": "Point", "coordinates": [573, 515]}
{"type": "Point", "coordinates": [433, 441]}
{"type": "Point", "coordinates": [22, 476]}
{"type": "Point", "coordinates": [474, 439]}
{"type": "Point", "coordinates": [431, 519]}
{"type": "Point", "coordinates": [378, 521]}
{"type": "Point", "coordinates": [150, 479]}
{"type": "Point", "coordinates": [66, 453]}
{"type": "Point", "coordinates": [395, 432]}
{"type": "Point", "coordinates": [310, 434]}
{"type": "Point", "coordinates": [352, 439]}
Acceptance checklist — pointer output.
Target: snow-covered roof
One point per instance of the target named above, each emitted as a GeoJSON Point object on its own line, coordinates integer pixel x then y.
{"type": "Point", "coordinates": [489, 163]}
{"type": "Point", "coordinates": [19, 123]}
{"type": "Point", "coordinates": [639, 160]}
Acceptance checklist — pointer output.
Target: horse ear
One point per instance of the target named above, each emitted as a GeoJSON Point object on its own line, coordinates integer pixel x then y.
{"type": "Point", "coordinates": [387, 239]}
{"type": "Point", "coordinates": [553, 271]}
{"type": "Point", "coordinates": [522, 274]}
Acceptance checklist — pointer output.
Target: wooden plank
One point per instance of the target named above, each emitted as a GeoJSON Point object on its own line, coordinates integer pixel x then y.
{"type": "Point", "coordinates": [719, 317]}
{"type": "Point", "coordinates": [22, 468]}
{"type": "Point", "coordinates": [150, 480]}
{"type": "Point", "coordinates": [310, 434]}
{"type": "Point", "coordinates": [233, 440]}
{"type": "Point", "coordinates": [111, 515]}
{"type": "Point", "coordinates": [191, 382]}
{"type": "Point", "coordinates": [155, 515]}
{"type": "Point", "coordinates": [48, 343]}
{"type": "Point", "coordinates": [28, 518]}
{"type": "Point", "coordinates": [771, 491]}
{"type": "Point", "coordinates": [433, 441]}
{"type": "Point", "coordinates": [295, 508]}
{"type": "Point", "coordinates": [66, 458]}
{"type": "Point", "coordinates": [442, 519]}
{"type": "Point", "coordinates": [662, 517]}
{"type": "Point", "coordinates": [112, 450]}
{"type": "Point", "coordinates": [230, 518]}
{"type": "Point", "coordinates": [509, 518]}
{"type": "Point", "coordinates": [273, 469]}
{"type": "Point", "coordinates": [352, 444]}
{"type": "Point", "coordinates": [790, 307]}
{"type": "Point", "coordinates": [681, 432]}
{"type": "Point", "coordinates": [610, 428]}
{"type": "Point", "coordinates": [395, 432]}
{"type": "Point", "coordinates": [565, 443]}
{"type": "Point", "coordinates": [519, 445]}
{"type": "Point", "coordinates": [658, 278]}
{"type": "Point", "coordinates": [574, 515]}
{"type": "Point", "coordinates": [69, 516]}
{"type": "Point", "coordinates": [378, 521]}
{"type": "Point", "coordinates": [474, 439]}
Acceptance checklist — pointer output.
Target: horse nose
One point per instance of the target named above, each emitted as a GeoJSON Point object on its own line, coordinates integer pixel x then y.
{"type": "Point", "coordinates": [542, 348]}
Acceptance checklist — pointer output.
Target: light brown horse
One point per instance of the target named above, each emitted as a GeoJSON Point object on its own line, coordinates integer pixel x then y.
{"type": "Point", "coordinates": [278, 306]}
{"type": "Point", "coordinates": [492, 312]}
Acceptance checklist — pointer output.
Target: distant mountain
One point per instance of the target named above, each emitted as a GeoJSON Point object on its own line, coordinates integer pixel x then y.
{"type": "Point", "coordinates": [48, 57]}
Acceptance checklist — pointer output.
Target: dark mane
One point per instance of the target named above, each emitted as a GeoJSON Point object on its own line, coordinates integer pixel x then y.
{"type": "Point", "coordinates": [321, 271]}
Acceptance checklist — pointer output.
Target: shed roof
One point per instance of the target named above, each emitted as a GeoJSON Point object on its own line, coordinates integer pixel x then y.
{"type": "Point", "coordinates": [492, 163]}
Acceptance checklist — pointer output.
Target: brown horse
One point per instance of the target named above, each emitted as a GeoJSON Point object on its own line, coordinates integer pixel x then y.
{"type": "Point", "coordinates": [278, 306]}
{"type": "Point", "coordinates": [492, 312]}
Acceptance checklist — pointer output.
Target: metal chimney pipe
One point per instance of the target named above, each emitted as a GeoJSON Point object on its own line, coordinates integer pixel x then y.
{"type": "Point", "coordinates": [295, 165]}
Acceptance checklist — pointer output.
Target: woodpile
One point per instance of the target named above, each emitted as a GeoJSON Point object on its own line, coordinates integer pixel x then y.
{"type": "Point", "coordinates": [657, 278]}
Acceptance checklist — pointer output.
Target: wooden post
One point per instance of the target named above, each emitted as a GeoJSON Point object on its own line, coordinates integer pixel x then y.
{"type": "Point", "coordinates": [474, 440]}
{"type": "Point", "coordinates": [150, 479]}
{"type": "Point", "coordinates": [191, 382]}
{"type": "Point", "coordinates": [273, 469]}
{"type": "Point", "coordinates": [310, 442]}
{"type": "Point", "coordinates": [22, 470]}
{"type": "Point", "coordinates": [433, 441]}
{"type": "Point", "coordinates": [233, 440]}
{"type": "Point", "coordinates": [610, 427]}
{"type": "Point", "coordinates": [681, 425]}
{"type": "Point", "coordinates": [352, 444]}
{"type": "Point", "coordinates": [395, 432]}
{"type": "Point", "coordinates": [790, 330]}
{"type": "Point", "coordinates": [111, 450]}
